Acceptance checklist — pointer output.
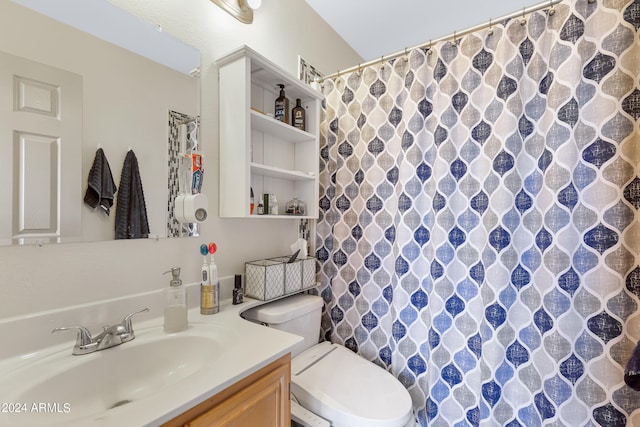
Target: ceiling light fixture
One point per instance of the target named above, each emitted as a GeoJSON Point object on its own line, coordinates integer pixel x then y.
{"type": "Point", "coordinates": [242, 10]}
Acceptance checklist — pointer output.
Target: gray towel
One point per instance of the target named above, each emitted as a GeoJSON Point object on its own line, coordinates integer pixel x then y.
{"type": "Point", "coordinates": [131, 210]}
{"type": "Point", "coordinates": [101, 187]}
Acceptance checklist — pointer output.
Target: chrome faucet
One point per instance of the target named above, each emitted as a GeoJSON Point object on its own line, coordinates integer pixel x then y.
{"type": "Point", "coordinates": [111, 336]}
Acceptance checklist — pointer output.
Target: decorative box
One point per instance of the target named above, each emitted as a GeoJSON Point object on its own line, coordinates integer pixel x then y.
{"type": "Point", "coordinates": [272, 278]}
{"type": "Point", "coordinates": [308, 272]}
{"type": "Point", "coordinates": [292, 274]}
{"type": "Point", "coordinates": [264, 279]}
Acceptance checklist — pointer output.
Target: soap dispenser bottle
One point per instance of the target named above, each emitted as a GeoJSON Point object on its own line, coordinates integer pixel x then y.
{"type": "Point", "coordinates": [175, 308]}
{"type": "Point", "coordinates": [282, 106]}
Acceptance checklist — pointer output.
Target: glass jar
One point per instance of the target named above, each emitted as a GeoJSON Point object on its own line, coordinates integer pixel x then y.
{"type": "Point", "coordinates": [295, 207]}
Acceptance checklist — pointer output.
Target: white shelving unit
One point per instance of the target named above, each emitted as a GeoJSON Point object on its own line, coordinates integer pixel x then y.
{"type": "Point", "coordinates": [257, 151]}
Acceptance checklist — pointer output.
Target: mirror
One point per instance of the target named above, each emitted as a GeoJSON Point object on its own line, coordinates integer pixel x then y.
{"type": "Point", "coordinates": [123, 97]}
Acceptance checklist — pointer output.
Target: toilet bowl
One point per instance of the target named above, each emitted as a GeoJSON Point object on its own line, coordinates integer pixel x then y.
{"type": "Point", "coordinates": [347, 390]}
{"type": "Point", "coordinates": [330, 380]}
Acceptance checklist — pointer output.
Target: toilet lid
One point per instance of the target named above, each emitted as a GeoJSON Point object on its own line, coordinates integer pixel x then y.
{"type": "Point", "coordinates": [348, 390]}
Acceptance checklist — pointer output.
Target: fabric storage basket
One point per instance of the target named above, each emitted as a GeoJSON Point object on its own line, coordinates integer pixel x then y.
{"type": "Point", "coordinates": [264, 279]}
{"type": "Point", "coordinates": [308, 272]}
{"type": "Point", "coordinates": [292, 274]}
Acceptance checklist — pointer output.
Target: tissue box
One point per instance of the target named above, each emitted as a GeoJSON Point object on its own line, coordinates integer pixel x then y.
{"type": "Point", "coordinates": [292, 274]}
{"type": "Point", "coordinates": [264, 279]}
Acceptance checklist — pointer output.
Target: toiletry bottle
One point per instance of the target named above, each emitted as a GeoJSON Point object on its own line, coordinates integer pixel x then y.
{"type": "Point", "coordinates": [260, 206]}
{"type": "Point", "coordinates": [273, 204]}
{"type": "Point", "coordinates": [298, 116]}
{"type": "Point", "coordinates": [238, 293]}
{"type": "Point", "coordinates": [282, 107]}
{"type": "Point", "coordinates": [175, 309]}
{"type": "Point", "coordinates": [251, 202]}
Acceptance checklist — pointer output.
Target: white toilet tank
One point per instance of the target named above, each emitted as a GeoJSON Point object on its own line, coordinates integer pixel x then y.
{"type": "Point", "coordinates": [298, 314]}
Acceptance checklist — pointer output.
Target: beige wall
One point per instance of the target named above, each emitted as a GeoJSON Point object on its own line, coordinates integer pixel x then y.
{"type": "Point", "coordinates": [35, 279]}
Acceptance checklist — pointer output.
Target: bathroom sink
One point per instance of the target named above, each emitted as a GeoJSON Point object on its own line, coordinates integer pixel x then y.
{"type": "Point", "coordinates": [64, 387]}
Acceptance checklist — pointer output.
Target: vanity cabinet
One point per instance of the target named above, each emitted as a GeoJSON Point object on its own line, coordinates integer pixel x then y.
{"type": "Point", "coordinates": [257, 151]}
{"type": "Point", "coordinates": [261, 399]}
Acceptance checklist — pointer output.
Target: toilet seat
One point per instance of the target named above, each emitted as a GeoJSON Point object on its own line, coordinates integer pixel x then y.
{"type": "Point", "coordinates": [342, 387]}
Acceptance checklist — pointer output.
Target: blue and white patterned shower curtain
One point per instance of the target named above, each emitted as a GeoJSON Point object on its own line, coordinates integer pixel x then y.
{"type": "Point", "coordinates": [479, 233]}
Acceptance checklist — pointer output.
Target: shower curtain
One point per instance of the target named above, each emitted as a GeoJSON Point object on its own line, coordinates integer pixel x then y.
{"type": "Point", "coordinates": [479, 233]}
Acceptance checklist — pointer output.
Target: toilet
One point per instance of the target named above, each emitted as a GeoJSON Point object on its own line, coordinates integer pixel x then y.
{"type": "Point", "coordinates": [329, 380]}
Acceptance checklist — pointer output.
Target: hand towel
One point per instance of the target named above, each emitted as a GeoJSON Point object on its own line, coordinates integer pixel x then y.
{"type": "Point", "coordinates": [101, 186]}
{"type": "Point", "coordinates": [131, 210]}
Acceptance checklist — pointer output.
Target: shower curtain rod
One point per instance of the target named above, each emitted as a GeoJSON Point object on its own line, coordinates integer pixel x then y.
{"type": "Point", "coordinates": [455, 36]}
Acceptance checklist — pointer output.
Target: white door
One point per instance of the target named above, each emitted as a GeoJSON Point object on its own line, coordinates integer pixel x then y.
{"type": "Point", "coordinates": [41, 154]}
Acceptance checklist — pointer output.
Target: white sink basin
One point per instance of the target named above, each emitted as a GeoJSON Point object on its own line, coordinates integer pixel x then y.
{"type": "Point", "coordinates": [143, 383]}
{"type": "Point", "coordinates": [65, 388]}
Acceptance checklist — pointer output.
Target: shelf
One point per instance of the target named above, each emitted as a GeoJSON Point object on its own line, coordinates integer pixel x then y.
{"type": "Point", "coordinates": [257, 152]}
{"type": "Point", "coordinates": [282, 216]}
{"type": "Point", "coordinates": [263, 123]}
{"type": "Point", "coordinates": [264, 170]}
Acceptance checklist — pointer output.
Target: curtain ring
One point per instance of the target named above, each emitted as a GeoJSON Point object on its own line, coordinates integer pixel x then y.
{"type": "Point", "coordinates": [523, 21]}
{"type": "Point", "coordinates": [552, 10]}
{"type": "Point", "coordinates": [490, 32]}
{"type": "Point", "coordinates": [406, 55]}
{"type": "Point", "coordinates": [382, 63]}
{"type": "Point", "coordinates": [455, 39]}
{"type": "Point", "coordinates": [430, 48]}
{"type": "Point", "coordinates": [359, 72]}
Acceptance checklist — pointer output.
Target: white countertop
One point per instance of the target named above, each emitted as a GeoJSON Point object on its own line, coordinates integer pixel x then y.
{"type": "Point", "coordinates": [247, 348]}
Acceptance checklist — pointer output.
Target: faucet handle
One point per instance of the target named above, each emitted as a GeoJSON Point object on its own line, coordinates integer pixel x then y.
{"type": "Point", "coordinates": [84, 341]}
{"type": "Point", "coordinates": [126, 322]}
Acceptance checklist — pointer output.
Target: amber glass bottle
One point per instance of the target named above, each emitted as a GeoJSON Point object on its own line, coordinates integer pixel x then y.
{"type": "Point", "coordinates": [298, 115]}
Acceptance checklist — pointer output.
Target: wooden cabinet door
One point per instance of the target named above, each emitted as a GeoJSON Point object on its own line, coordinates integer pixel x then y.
{"type": "Point", "coordinates": [259, 400]}
{"type": "Point", "coordinates": [264, 403]}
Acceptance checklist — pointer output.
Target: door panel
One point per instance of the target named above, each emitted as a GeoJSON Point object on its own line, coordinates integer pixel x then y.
{"type": "Point", "coordinates": [41, 162]}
